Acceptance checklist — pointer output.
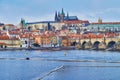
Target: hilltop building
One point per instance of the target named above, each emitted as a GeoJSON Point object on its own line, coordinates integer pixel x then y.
{"type": "Point", "coordinates": [61, 17]}
{"type": "Point", "coordinates": [104, 26]}
{"type": "Point", "coordinates": [5, 27]}
{"type": "Point", "coordinates": [61, 21]}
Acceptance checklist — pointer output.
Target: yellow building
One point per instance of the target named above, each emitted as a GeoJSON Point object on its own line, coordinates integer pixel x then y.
{"type": "Point", "coordinates": [66, 41]}
{"type": "Point", "coordinates": [10, 43]}
{"type": "Point", "coordinates": [44, 25]}
{"type": "Point", "coordinates": [5, 41]}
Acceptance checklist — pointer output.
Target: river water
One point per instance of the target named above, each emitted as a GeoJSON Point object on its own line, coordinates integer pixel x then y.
{"type": "Point", "coordinates": [59, 65]}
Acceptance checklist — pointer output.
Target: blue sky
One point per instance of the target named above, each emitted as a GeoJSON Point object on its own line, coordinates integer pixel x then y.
{"type": "Point", "coordinates": [11, 11]}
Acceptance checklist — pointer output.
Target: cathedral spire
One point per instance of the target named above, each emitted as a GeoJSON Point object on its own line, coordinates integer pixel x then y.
{"type": "Point", "coordinates": [67, 16]}
{"type": "Point", "coordinates": [56, 16]}
{"type": "Point", "coordinates": [62, 13]}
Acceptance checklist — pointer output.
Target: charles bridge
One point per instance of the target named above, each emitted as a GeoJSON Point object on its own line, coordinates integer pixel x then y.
{"type": "Point", "coordinates": [99, 43]}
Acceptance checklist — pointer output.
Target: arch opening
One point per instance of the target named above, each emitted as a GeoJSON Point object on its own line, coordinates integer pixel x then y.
{"type": "Point", "coordinates": [111, 44]}
{"type": "Point", "coordinates": [96, 45]}
{"type": "Point", "coordinates": [74, 43]}
{"type": "Point", "coordinates": [83, 44]}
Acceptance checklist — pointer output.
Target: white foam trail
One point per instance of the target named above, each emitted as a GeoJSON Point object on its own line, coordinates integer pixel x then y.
{"type": "Point", "coordinates": [50, 72]}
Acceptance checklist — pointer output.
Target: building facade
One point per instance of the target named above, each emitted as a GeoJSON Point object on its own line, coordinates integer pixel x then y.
{"type": "Point", "coordinates": [104, 26]}
{"type": "Point", "coordinates": [61, 20]}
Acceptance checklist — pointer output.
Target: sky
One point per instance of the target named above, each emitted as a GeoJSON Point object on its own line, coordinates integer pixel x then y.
{"type": "Point", "coordinates": [11, 11]}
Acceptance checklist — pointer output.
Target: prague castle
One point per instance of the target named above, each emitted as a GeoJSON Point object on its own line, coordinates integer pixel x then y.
{"type": "Point", "coordinates": [62, 17]}
{"type": "Point", "coordinates": [61, 20]}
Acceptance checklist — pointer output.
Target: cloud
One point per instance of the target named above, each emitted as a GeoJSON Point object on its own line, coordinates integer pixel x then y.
{"type": "Point", "coordinates": [39, 2]}
{"type": "Point", "coordinates": [113, 10]}
{"type": "Point", "coordinates": [46, 17]}
{"type": "Point", "coordinates": [110, 14]}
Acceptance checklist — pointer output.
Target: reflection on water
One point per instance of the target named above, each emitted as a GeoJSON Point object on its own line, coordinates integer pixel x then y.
{"type": "Point", "coordinates": [59, 65]}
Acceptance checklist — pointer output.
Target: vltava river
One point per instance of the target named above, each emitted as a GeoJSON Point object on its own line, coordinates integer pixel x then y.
{"type": "Point", "coordinates": [59, 65]}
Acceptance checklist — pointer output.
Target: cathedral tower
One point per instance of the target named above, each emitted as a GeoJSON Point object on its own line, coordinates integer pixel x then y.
{"type": "Point", "coordinates": [56, 16]}
{"type": "Point", "coordinates": [62, 15]}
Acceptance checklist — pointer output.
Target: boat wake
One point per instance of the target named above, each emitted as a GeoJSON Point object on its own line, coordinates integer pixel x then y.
{"type": "Point", "coordinates": [71, 66]}
{"type": "Point", "coordinates": [50, 72]}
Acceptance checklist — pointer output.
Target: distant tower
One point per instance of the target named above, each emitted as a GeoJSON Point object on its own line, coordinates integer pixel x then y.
{"type": "Point", "coordinates": [56, 16]}
{"type": "Point", "coordinates": [67, 16]}
{"type": "Point", "coordinates": [62, 15]}
{"type": "Point", "coordinates": [49, 27]}
{"type": "Point", "coordinates": [100, 20]}
{"type": "Point", "coordinates": [22, 23]}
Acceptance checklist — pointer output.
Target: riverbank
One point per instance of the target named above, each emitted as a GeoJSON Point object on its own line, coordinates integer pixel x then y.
{"type": "Point", "coordinates": [41, 48]}
{"type": "Point", "coordinates": [56, 49]}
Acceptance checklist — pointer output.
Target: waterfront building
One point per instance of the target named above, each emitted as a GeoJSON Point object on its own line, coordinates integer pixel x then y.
{"type": "Point", "coordinates": [10, 42]}
{"type": "Point", "coordinates": [104, 26]}
{"type": "Point", "coordinates": [46, 39]}
{"type": "Point", "coordinates": [27, 39]}
{"type": "Point", "coordinates": [66, 41]}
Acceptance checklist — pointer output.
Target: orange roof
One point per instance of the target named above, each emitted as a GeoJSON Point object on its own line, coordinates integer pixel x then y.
{"type": "Point", "coordinates": [2, 43]}
{"type": "Point", "coordinates": [14, 32]}
{"type": "Point", "coordinates": [14, 38]}
{"type": "Point", "coordinates": [76, 22]}
{"type": "Point", "coordinates": [35, 30]}
{"type": "Point", "coordinates": [9, 25]}
{"type": "Point", "coordinates": [4, 37]}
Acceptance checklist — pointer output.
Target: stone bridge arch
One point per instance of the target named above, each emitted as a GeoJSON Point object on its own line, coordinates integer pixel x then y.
{"type": "Point", "coordinates": [96, 44]}
{"type": "Point", "coordinates": [83, 44]}
{"type": "Point", "coordinates": [111, 44]}
{"type": "Point", "coordinates": [108, 40]}
{"type": "Point", "coordinates": [97, 41]}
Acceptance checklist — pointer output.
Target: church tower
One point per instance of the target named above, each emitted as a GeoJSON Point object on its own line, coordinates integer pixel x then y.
{"type": "Point", "coordinates": [99, 20]}
{"type": "Point", "coordinates": [67, 16]}
{"type": "Point", "coordinates": [22, 24]}
{"type": "Point", "coordinates": [62, 15]}
{"type": "Point", "coordinates": [56, 16]}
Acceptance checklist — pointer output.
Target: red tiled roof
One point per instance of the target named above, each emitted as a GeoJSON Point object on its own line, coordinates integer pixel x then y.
{"type": "Point", "coordinates": [4, 37]}
{"type": "Point", "coordinates": [76, 22]}
{"type": "Point", "coordinates": [9, 25]}
{"type": "Point", "coordinates": [2, 43]}
{"type": "Point", "coordinates": [14, 32]}
{"type": "Point", "coordinates": [14, 38]}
